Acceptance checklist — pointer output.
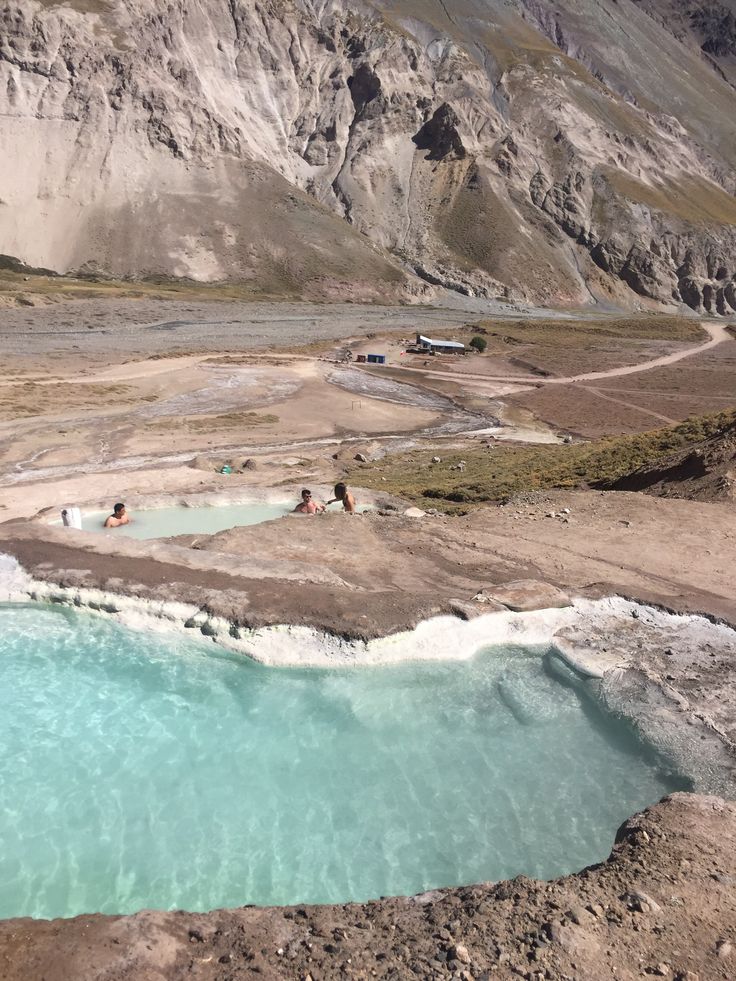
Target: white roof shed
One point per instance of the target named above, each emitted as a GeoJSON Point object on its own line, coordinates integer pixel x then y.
{"type": "Point", "coordinates": [428, 342]}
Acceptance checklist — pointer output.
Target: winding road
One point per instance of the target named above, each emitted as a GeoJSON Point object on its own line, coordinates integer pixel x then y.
{"type": "Point", "coordinates": [717, 334]}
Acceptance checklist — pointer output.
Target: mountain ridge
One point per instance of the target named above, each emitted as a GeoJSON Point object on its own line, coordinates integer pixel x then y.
{"type": "Point", "coordinates": [376, 150]}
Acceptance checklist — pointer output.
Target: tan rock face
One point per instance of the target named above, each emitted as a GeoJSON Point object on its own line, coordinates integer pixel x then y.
{"type": "Point", "coordinates": [536, 148]}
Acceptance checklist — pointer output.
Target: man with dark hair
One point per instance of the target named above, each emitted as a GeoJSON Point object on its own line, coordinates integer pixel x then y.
{"type": "Point", "coordinates": [118, 517]}
{"type": "Point", "coordinates": [307, 505]}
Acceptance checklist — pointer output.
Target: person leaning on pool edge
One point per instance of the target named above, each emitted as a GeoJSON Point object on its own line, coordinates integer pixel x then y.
{"type": "Point", "coordinates": [118, 517]}
{"type": "Point", "coordinates": [343, 494]}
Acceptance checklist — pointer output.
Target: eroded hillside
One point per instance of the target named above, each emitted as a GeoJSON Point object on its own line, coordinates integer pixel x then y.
{"type": "Point", "coordinates": [560, 153]}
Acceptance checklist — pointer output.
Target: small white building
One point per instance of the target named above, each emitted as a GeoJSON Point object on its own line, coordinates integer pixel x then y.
{"type": "Point", "coordinates": [441, 347]}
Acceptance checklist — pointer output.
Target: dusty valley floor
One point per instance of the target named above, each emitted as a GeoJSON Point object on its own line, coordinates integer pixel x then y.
{"type": "Point", "coordinates": [145, 400]}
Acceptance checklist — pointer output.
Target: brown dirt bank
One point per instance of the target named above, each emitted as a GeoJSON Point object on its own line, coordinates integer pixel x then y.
{"type": "Point", "coordinates": [246, 601]}
{"type": "Point", "coordinates": [372, 575]}
{"type": "Point", "coordinates": [663, 905]}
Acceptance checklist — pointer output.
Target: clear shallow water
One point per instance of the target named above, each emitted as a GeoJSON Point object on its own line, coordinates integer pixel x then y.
{"type": "Point", "coordinates": [143, 770]}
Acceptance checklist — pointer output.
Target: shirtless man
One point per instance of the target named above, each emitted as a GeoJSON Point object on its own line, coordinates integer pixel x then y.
{"type": "Point", "coordinates": [118, 517]}
{"type": "Point", "coordinates": [343, 494]}
{"type": "Point", "coordinates": [307, 505]}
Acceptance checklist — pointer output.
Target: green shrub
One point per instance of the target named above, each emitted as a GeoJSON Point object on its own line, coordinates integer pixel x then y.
{"type": "Point", "coordinates": [479, 343]}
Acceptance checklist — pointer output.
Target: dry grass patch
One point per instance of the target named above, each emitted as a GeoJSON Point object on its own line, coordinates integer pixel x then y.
{"type": "Point", "coordinates": [209, 424]}
{"type": "Point", "coordinates": [30, 398]}
{"type": "Point", "coordinates": [502, 332]}
{"type": "Point", "coordinates": [693, 199]}
{"type": "Point", "coordinates": [499, 473]}
{"type": "Point", "coordinates": [576, 333]}
{"type": "Point", "coordinates": [34, 289]}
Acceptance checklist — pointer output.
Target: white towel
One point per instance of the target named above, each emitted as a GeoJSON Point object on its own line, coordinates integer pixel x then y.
{"type": "Point", "coordinates": [71, 518]}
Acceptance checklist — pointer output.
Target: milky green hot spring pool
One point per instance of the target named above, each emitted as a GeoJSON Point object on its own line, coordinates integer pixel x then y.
{"type": "Point", "coordinates": [206, 520]}
{"type": "Point", "coordinates": [149, 770]}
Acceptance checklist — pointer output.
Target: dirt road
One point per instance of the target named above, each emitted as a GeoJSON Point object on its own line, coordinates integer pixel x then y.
{"type": "Point", "coordinates": [717, 334]}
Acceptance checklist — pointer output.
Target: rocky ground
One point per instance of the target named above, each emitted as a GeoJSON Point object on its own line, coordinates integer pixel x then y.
{"type": "Point", "coordinates": [108, 330]}
{"type": "Point", "coordinates": [662, 906]}
{"type": "Point", "coordinates": [101, 387]}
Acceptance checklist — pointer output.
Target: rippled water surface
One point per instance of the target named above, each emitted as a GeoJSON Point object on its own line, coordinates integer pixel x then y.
{"type": "Point", "coordinates": [147, 770]}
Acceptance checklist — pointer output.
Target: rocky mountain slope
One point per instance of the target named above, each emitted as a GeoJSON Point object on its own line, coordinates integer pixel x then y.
{"type": "Point", "coordinates": [701, 24]}
{"type": "Point", "coordinates": [557, 152]}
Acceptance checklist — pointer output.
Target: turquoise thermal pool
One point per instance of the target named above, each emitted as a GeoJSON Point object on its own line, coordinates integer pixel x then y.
{"type": "Point", "coordinates": [206, 520]}
{"type": "Point", "coordinates": [145, 770]}
{"type": "Point", "coordinates": [179, 520]}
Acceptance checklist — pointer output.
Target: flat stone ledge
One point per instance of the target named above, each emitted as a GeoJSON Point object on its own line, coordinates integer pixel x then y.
{"type": "Point", "coordinates": [525, 595]}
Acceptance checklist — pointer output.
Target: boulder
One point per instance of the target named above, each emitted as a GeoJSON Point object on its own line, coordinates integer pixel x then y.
{"type": "Point", "coordinates": [528, 594]}
{"type": "Point", "coordinates": [459, 952]}
{"type": "Point", "coordinates": [466, 611]}
{"type": "Point", "coordinates": [488, 604]}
